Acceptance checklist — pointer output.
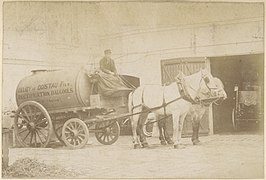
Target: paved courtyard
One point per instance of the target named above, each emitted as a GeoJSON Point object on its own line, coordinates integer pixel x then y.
{"type": "Point", "coordinates": [219, 156]}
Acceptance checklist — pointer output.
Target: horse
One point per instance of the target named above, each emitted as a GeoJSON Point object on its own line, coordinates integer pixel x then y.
{"type": "Point", "coordinates": [198, 110]}
{"type": "Point", "coordinates": [174, 99]}
{"type": "Point", "coordinates": [196, 113]}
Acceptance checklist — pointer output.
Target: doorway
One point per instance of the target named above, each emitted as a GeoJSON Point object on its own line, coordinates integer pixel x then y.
{"type": "Point", "coordinates": [234, 70]}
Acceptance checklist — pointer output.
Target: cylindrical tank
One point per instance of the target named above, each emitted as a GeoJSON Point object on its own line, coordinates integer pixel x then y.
{"type": "Point", "coordinates": [55, 90]}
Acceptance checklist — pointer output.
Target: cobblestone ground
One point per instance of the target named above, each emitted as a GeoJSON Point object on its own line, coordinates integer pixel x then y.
{"type": "Point", "coordinates": [218, 156]}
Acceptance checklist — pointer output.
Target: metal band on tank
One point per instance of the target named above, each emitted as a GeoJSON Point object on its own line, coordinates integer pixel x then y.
{"type": "Point", "coordinates": [77, 82]}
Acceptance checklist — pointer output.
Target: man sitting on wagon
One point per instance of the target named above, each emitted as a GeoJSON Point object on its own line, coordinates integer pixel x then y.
{"type": "Point", "coordinates": [109, 82]}
{"type": "Point", "coordinates": [107, 64]}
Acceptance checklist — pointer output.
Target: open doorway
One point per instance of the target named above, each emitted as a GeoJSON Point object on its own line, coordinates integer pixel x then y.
{"type": "Point", "coordinates": [234, 70]}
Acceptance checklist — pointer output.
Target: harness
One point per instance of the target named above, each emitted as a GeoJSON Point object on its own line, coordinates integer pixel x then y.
{"type": "Point", "coordinates": [183, 95]}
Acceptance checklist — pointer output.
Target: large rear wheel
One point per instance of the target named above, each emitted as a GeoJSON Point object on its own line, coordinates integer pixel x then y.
{"type": "Point", "coordinates": [32, 125]}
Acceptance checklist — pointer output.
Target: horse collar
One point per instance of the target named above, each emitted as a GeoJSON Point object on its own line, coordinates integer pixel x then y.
{"type": "Point", "coordinates": [183, 92]}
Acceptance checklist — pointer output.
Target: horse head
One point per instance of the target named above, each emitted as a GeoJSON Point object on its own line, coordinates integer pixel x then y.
{"type": "Point", "coordinates": [220, 91]}
{"type": "Point", "coordinates": [212, 88]}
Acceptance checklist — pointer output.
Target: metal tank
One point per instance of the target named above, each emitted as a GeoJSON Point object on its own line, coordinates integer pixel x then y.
{"type": "Point", "coordinates": [55, 89]}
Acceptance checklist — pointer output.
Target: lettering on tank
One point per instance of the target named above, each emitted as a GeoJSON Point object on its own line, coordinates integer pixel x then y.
{"type": "Point", "coordinates": [45, 90]}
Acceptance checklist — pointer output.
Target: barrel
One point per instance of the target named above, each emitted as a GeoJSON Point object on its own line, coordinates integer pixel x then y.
{"type": "Point", "coordinates": [55, 89]}
{"type": "Point", "coordinates": [60, 89]}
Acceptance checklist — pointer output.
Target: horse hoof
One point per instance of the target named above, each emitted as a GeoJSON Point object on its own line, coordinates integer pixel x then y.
{"type": "Point", "coordinates": [170, 141]}
{"type": "Point", "coordinates": [137, 146]}
{"type": "Point", "coordinates": [163, 143]}
{"type": "Point", "coordinates": [179, 146]}
{"type": "Point", "coordinates": [145, 145]}
{"type": "Point", "coordinates": [196, 142]}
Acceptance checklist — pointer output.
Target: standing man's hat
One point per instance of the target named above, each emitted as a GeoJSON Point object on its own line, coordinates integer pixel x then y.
{"type": "Point", "coordinates": [107, 51]}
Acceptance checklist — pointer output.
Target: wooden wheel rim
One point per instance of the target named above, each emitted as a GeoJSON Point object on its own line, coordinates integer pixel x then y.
{"type": "Point", "coordinates": [32, 125]}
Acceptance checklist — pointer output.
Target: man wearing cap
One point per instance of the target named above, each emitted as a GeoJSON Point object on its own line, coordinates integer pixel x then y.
{"type": "Point", "coordinates": [107, 65]}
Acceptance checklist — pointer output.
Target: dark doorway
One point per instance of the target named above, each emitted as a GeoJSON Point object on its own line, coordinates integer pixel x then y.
{"type": "Point", "coordinates": [234, 70]}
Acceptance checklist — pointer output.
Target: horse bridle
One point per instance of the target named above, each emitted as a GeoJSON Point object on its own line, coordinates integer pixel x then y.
{"type": "Point", "coordinates": [206, 80]}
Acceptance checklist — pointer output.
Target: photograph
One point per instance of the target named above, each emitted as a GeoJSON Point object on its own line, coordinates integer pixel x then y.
{"type": "Point", "coordinates": [132, 89]}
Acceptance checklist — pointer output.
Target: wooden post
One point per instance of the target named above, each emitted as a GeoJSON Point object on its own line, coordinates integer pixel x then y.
{"type": "Point", "coordinates": [5, 147]}
{"type": "Point", "coordinates": [208, 66]}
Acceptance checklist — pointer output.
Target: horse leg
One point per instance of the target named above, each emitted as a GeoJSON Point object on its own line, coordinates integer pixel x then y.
{"type": "Point", "coordinates": [134, 125]}
{"type": "Point", "coordinates": [161, 132]}
{"type": "Point", "coordinates": [195, 128]}
{"type": "Point", "coordinates": [179, 134]}
{"type": "Point", "coordinates": [143, 140]}
{"type": "Point", "coordinates": [175, 129]}
{"type": "Point", "coordinates": [166, 131]}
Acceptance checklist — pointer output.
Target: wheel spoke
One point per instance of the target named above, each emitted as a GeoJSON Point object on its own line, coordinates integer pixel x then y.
{"type": "Point", "coordinates": [104, 137]}
{"type": "Point", "coordinates": [39, 136]}
{"type": "Point", "coordinates": [37, 124]}
{"type": "Point", "coordinates": [81, 131]}
{"type": "Point", "coordinates": [23, 131]}
{"type": "Point", "coordinates": [35, 113]}
{"type": "Point", "coordinates": [25, 112]}
{"type": "Point", "coordinates": [35, 139]}
{"type": "Point", "coordinates": [38, 117]}
{"type": "Point", "coordinates": [30, 112]}
{"type": "Point", "coordinates": [31, 135]}
{"type": "Point", "coordinates": [82, 134]}
{"type": "Point", "coordinates": [42, 134]}
{"type": "Point", "coordinates": [71, 125]}
{"type": "Point", "coordinates": [77, 141]}
{"type": "Point", "coordinates": [26, 136]}
{"type": "Point", "coordinates": [22, 117]}
{"type": "Point", "coordinates": [80, 138]}
{"type": "Point", "coordinates": [69, 128]}
{"type": "Point", "coordinates": [68, 137]}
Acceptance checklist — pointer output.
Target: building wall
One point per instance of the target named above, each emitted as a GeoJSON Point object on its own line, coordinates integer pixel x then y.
{"type": "Point", "coordinates": [211, 30]}
{"type": "Point", "coordinates": [46, 35]}
{"type": "Point", "coordinates": [54, 35]}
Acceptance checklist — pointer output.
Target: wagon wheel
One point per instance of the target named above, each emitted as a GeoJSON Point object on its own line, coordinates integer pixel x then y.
{"type": "Point", "coordinates": [234, 121]}
{"type": "Point", "coordinates": [58, 131]}
{"type": "Point", "coordinates": [107, 132]}
{"type": "Point", "coordinates": [32, 125]}
{"type": "Point", "coordinates": [75, 133]}
{"type": "Point", "coordinates": [147, 128]}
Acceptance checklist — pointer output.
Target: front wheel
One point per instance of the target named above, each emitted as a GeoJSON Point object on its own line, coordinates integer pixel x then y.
{"type": "Point", "coordinates": [107, 132]}
{"type": "Point", "coordinates": [75, 133]}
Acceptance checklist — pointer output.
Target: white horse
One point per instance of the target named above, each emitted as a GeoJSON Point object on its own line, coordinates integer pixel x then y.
{"type": "Point", "coordinates": [196, 113]}
{"type": "Point", "coordinates": [198, 110]}
{"type": "Point", "coordinates": [165, 100]}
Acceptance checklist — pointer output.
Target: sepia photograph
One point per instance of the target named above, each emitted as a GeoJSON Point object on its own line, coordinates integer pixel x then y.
{"type": "Point", "coordinates": [132, 89]}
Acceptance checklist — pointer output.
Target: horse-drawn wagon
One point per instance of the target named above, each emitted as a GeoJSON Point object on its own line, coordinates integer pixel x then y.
{"type": "Point", "coordinates": [248, 108]}
{"type": "Point", "coordinates": [65, 103]}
